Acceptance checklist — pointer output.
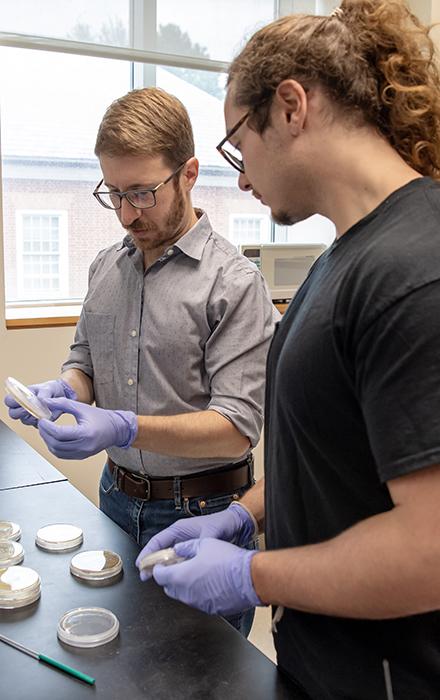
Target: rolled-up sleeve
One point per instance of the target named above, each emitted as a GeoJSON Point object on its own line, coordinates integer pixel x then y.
{"type": "Point", "coordinates": [243, 318]}
{"type": "Point", "coordinates": [80, 356]}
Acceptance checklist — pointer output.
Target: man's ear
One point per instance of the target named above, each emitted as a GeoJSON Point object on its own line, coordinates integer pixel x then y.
{"type": "Point", "coordinates": [291, 101]}
{"type": "Point", "coordinates": [190, 173]}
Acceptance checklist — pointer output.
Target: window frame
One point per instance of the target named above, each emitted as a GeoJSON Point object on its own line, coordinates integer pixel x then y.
{"type": "Point", "coordinates": [143, 62]}
{"type": "Point", "coordinates": [142, 16]}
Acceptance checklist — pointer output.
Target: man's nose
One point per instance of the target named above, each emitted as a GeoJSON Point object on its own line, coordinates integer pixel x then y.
{"type": "Point", "coordinates": [128, 213]}
{"type": "Point", "coordinates": [244, 183]}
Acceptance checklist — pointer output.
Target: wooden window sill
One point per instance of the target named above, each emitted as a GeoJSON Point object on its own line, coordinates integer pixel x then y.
{"type": "Point", "coordinates": [50, 322]}
{"type": "Point", "coordinates": [26, 320]}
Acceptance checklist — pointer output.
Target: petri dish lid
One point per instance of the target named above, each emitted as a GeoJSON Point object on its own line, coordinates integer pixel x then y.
{"type": "Point", "coordinates": [96, 565]}
{"type": "Point", "coordinates": [88, 627]}
{"type": "Point", "coordinates": [26, 398]}
{"type": "Point", "coordinates": [9, 530]}
{"type": "Point", "coordinates": [59, 537]}
{"type": "Point", "coordinates": [11, 553]}
{"type": "Point", "coordinates": [19, 586]}
{"type": "Point", "coordinates": [163, 556]}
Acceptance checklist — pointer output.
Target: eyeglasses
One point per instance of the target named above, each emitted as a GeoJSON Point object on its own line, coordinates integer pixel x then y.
{"type": "Point", "coordinates": [232, 154]}
{"type": "Point", "coordinates": [140, 199]}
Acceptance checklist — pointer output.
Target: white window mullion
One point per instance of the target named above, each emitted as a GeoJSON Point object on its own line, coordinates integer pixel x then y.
{"type": "Point", "coordinates": [143, 36]}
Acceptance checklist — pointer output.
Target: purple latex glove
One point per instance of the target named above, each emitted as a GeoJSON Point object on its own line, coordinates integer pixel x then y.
{"type": "Point", "coordinates": [216, 578]}
{"type": "Point", "coordinates": [233, 524]}
{"type": "Point", "coordinates": [55, 388]}
{"type": "Point", "coordinates": [96, 429]}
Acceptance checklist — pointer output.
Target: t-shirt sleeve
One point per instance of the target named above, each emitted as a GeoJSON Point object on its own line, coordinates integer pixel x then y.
{"type": "Point", "coordinates": [397, 375]}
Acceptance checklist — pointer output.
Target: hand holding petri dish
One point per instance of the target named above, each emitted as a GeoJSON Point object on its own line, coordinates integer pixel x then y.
{"type": "Point", "coordinates": [27, 399]}
{"type": "Point", "coordinates": [167, 557]}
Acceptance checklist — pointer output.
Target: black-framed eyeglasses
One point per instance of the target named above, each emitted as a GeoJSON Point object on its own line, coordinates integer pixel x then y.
{"type": "Point", "coordinates": [230, 153]}
{"type": "Point", "coordinates": [142, 198]}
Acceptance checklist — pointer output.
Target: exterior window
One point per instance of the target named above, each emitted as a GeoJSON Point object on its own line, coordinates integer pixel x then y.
{"type": "Point", "coordinates": [246, 229]}
{"type": "Point", "coordinates": [41, 255]}
{"type": "Point", "coordinates": [48, 166]}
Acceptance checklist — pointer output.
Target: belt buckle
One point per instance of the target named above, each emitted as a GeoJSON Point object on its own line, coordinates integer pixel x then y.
{"type": "Point", "coordinates": [142, 480]}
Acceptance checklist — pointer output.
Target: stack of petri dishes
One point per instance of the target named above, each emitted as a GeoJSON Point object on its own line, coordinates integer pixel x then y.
{"type": "Point", "coordinates": [11, 553]}
{"type": "Point", "coordinates": [19, 586]}
{"type": "Point", "coordinates": [9, 530]}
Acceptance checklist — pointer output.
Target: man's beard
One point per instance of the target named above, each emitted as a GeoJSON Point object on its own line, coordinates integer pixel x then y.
{"type": "Point", "coordinates": [282, 218]}
{"type": "Point", "coordinates": [164, 234]}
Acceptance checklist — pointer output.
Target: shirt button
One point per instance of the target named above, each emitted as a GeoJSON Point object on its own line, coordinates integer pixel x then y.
{"type": "Point", "coordinates": [130, 382]}
{"type": "Point", "coordinates": [133, 333]}
{"type": "Point", "coordinates": [170, 251]}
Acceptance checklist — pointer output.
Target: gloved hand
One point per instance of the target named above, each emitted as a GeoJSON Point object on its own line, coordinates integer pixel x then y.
{"type": "Point", "coordinates": [47, 390]}
{"type": "Point", "coordinates": [233, 524]}
{"type": "Point", "coordinates": [216, 578]}
{"type": "Point", "coordinates": [96, 429]}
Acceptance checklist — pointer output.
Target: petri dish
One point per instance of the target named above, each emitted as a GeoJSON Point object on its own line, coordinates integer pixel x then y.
{"type": "Point", "coordinates": [11, 553]}
{"type": "Point", "coordinates": [88, 627]}
{"type": "Point", "coordinates": [163, 556]}
{"type": "Point", "coordinates": [99, 566]}
{"type": "Point", "coordinates": [9, 530]}
{"type": "Point", "coordinates": [19, 586]}
{"type": "Point", "coordinates": [27, 399]}
{"type": "Point", "coordinates": [59, 537]}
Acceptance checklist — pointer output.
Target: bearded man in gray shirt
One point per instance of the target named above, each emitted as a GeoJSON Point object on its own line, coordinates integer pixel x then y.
{"type": "Point", "coordinates": [172, 340]}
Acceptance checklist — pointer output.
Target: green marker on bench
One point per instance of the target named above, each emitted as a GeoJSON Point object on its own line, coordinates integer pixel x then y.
{"type": "Point", "coordinates": [48, 660]}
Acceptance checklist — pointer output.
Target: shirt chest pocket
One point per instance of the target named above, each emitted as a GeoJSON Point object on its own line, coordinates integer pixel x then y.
{"type": "Point", "coordinates": [100, 334]}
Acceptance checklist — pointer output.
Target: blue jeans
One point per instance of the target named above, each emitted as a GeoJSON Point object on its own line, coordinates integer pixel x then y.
{"type": "Point", "coordinates": [144, 519]}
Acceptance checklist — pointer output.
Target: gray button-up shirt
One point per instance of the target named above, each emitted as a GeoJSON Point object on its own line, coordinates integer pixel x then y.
{"type": "Point", "coordinates": [188, 334]}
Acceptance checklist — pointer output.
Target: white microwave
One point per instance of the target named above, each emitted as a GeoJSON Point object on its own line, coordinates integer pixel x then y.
{"type": "Point", "coordinates": [283, 265]}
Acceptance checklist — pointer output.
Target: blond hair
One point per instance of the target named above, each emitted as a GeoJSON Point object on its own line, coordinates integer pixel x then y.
{"type": "Point", "coordinates": [373, 58]}
{"type": "Point", "coordinates": [148, 122]}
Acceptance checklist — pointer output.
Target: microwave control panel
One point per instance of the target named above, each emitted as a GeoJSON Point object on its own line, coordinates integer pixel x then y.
{"type": "Point", "coordinates": [254, 255]}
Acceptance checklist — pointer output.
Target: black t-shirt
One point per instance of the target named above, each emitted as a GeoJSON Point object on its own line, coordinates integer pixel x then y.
{"type": "Point", "coordinates": [352, 401]}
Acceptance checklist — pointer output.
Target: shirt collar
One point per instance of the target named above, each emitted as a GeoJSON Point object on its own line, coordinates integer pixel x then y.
{"type": "Point", "coordinates": [192, 243]}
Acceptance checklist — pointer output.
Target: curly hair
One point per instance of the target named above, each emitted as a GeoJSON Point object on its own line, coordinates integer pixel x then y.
{"type": "Point", "coordinates": [373, 58]}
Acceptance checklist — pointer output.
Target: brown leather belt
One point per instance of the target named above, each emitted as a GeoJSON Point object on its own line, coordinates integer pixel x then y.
{"type": "Point", "coordinates": [225, 480]}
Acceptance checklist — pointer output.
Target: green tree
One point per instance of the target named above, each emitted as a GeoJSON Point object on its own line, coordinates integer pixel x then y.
{"type": "Point", "coordinates": [114, 33]}
{"type": "Point", "coordinates": [81, 32]}
{"type": "Point", "coordinates": [170, 39]}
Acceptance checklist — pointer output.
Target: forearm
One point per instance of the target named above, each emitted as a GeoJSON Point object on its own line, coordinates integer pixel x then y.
{"type": "Point", "coordinates": [205, 434]}
{"type": "Point", "coordinates": [380, 568]}
{"type": "Point", "coordinates": [253, 500]}
{"type": "Point", "coordinates": [80, 383]}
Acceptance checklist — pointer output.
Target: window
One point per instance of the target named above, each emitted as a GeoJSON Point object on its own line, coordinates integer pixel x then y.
{"type": "Point", "coordinates": [70, 62]}
{"type": "Point", "coordinates": [250, 229]}
{"type": "Point", "coordinates": [42, 254]}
